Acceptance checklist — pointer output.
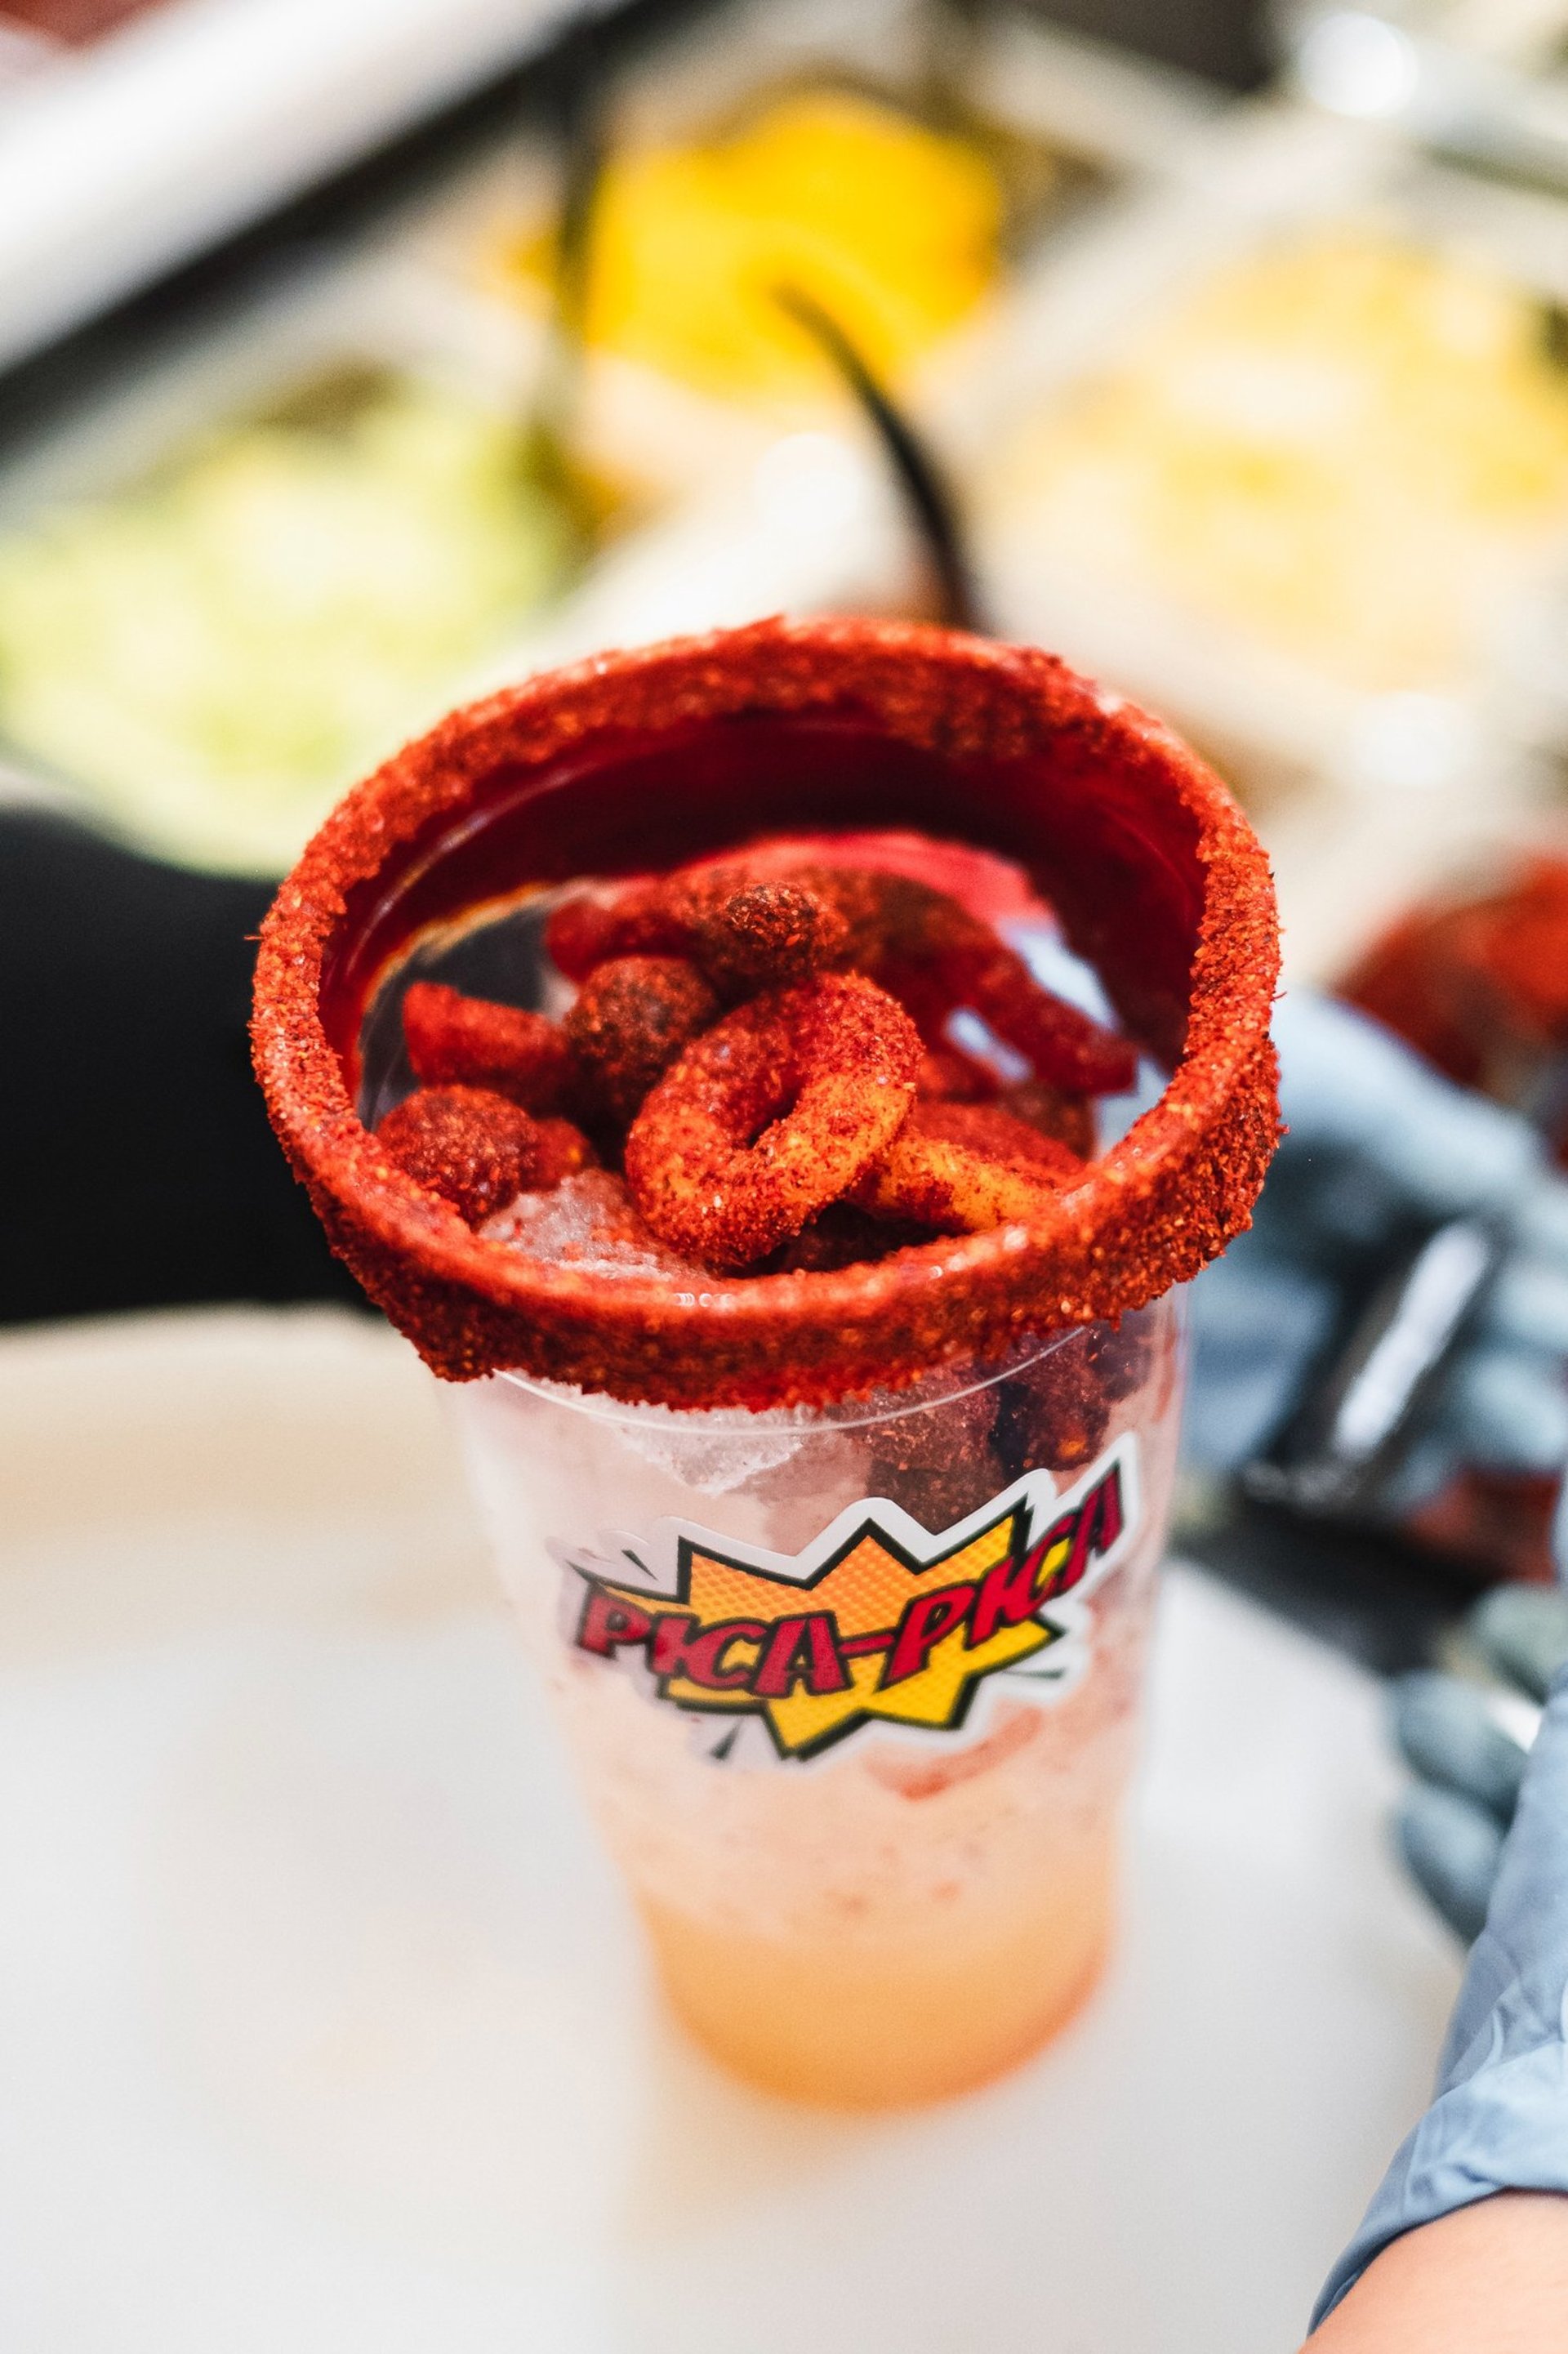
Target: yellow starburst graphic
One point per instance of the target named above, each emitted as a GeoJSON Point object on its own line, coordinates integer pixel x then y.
{"type": "Point", "coordinates": [874, 1632]}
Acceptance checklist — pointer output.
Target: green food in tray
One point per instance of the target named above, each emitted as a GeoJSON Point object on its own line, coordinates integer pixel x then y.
{"type": "Point", "coordinates": [215, 652]}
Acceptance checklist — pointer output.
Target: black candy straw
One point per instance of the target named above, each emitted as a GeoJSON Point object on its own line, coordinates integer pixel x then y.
{"type": "Point", "coordinates": [576, 106]}
{"type": "Point", "coordinates": [928, 496]}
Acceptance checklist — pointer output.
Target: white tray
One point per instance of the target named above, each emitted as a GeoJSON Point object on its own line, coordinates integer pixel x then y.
{"type": "Point", "coordinates": [321, 2026]}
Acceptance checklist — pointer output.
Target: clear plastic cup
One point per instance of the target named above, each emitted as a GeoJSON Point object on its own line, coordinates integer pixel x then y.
{"type": "Point", "coordinates": [851, 1673]}
{"type": "Point", "coordinates": [877, 1877]}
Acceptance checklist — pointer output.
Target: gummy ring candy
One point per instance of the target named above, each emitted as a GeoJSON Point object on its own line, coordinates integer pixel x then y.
{"type": "Point", "coordinates": [821, 1076]}
{"type": "Point", "coordinates": [454, 1040]}
{"type": "Point", "coordinates": [948, 1075]}
{"type": "Point", "coordinates": [478, 1149]}
{"type": "Point", "coordinates": [1065, 1050]}
{"type": "Point", "coordinates": [632, 1018]}
{"type": "Point", "coordinates": [956, 1169]}
{"type": "Point", "coordinates": [1001, 1132]}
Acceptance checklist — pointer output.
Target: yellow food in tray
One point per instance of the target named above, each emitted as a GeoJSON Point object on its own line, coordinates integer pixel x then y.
{"type": "Point", "coordinates": [215, 652]}
{"type": "Point", "coordinates": [892, 228]}
{"type": "Point", "coordinates": [1348, 449]}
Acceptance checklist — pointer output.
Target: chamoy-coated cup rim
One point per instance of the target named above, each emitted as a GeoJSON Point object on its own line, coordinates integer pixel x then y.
{"type": "Point", "coordinates": [802, 726]}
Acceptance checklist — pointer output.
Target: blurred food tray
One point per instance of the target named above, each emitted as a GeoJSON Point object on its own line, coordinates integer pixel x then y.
{"type": "Point", "coordinates": [1535, 32]}
{"type": "Point", "coordinates": [319, 2003]}
{"type": "Point", "coordinates": [1484, 82]}
{"type": "Point", "coordinates": [714, 510]}
{"type": "Point", "coordinates": [1166, 425]}
{"type": "Point", "coordinates": [123, 158]}
{"type": "Point", "coordinates": [199, 468]}
{"type": "Point", "coordinates": [1180, 313]}
{"type": "Point", "coordinates": [1060, 123]}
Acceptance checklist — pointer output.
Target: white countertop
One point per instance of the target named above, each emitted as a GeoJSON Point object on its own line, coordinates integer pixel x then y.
{"type": "Point", "coordinates": [321, 2026]}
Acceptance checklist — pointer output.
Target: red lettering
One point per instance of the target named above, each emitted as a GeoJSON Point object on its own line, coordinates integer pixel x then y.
{"type": "Point", "coordinates": [1109, 1520]}
{"type": "Point", "coordinates": [1094, 1528]}
{"type": "Point", "coordinates": [682, 1648]}
{"type": "Point", "coordinates": [924, 1622]}
{"type": "Point", "coordinates": [802, 1650]}
{"type": "Point", "coordinates": [1071, 1529]}
{"type": "Point", "coordinates": [1005, 1595]}
{"type": "Point", "coordinates": [608, 1622]}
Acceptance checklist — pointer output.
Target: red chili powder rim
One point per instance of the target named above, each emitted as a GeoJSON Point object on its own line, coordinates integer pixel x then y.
{"type": "Point", "coordinates": [1147, 1215]}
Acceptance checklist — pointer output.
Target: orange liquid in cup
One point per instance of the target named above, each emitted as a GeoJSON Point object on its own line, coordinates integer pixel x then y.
{"type": "Point", "coordinates": [878, 2024]}
{"type": "Point", "coordinates": [927, 1973]}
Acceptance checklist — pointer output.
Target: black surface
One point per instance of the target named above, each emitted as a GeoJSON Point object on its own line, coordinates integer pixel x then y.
{"type": "Point", "coordinates": [1381, 1601]}
{"type": "Point", "coordinates": [137, 1168]}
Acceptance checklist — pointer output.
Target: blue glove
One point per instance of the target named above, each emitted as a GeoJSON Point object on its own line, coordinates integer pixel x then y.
{"type": "Point", "coordinates": [1469, 1749]}
{"type": "Point", "coordinates": [1378, 1139]}
{"type": "Point", "coordinates": [1498, 2120]}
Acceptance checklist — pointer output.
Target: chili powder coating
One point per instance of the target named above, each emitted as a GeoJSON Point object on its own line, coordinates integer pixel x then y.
{"type": "Point", "coordinates": [634, 1017]}
{"type": "Point", "coordinates": [478, 1150]}
{"type": "Point", "coordinates": [1153, 870]}
{"type": "Point", "coordinates": [822, 1078]}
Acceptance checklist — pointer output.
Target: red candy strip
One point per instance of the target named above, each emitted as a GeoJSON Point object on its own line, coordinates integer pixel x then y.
{"type": "Point", "coordinates": [458, 1041]}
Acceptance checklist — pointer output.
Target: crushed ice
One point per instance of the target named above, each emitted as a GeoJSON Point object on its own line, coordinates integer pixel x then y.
{"type": "Point", "coordinates": [587, 1223]}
